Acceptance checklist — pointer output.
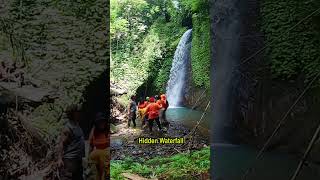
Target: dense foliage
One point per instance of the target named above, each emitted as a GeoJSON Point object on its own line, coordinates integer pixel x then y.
{"type": "Point", "coordinates": [144, 36]}
{"type": "Point", "coordinates": [196, 6]}
{"type": "Point", "coordinates": [143, 42]}
{"type": "Point", "coordinates": [200, 51]}
{"type": "Point", "coordinates": [188, 166]}
{"type": "Point", "coordinates": [295, 52]}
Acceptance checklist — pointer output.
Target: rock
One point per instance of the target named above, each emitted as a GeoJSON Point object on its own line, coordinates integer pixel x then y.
{"type": "Point", "coordinates": [134, 177]}
{"type": "Point", "coordinates": [11, 93]}
{"type": "Point", "coordinates": [115, 90]}
{"type": "Point", "coordinates": [205, 146]}
{"type": "Point", "coordinates": [113, 128]}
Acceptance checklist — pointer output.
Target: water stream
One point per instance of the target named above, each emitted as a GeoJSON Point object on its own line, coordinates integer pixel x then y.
{"type": "Point", "coordinates": [177, 84]}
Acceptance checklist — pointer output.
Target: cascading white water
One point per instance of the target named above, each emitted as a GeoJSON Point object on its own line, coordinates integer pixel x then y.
{"type": "Point", "coordinates": [176, 87]}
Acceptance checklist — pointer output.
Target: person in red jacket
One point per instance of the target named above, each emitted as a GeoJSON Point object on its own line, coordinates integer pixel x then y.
{"type": "Point", "coordinates": [153, 113]}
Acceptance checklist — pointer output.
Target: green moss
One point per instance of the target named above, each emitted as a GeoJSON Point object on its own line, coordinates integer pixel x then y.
{"type": "Point", "coordinates": [296, 52]}
{"type": "Point", "coordinates": [162, 77]}
{"type": "Point", "coordinates": [200, 51]}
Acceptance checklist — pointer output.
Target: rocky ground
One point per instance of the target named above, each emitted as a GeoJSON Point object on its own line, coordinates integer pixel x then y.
{"type": "Point", "coordinates": [24, 156]}
{"type": "Point", "coordinates": [124, 140]}
{"type": "Point", "coordinates": [21, 151]}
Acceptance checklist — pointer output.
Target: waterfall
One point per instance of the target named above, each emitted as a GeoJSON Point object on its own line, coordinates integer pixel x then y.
{"type": "Point", "coordinates": [176, 87]}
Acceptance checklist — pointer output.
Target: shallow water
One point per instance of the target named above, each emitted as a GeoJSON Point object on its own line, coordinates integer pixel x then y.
{"type": "Point", "coordinates": [189, 118]}
{"type": "Point", "coordinates": [231, 161]}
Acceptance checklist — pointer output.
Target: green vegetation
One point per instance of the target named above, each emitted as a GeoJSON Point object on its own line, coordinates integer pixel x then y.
{"type": "Point", "coordinates": [296, 52]}
{"type": "Point", "coordinates": [144, 36]}
{"type": "Point", "coordinates": [200, 51]}
{"type": "Point", "coordinates": [181, 166]}
{"type": "Point", "coordinates": [56, 36]}
{"type": "Point", "coordinates": [196, 6]}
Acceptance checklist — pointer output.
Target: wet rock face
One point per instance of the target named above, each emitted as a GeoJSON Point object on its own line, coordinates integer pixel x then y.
{"type": "Point", "coordinates": [259, 101]}
{"type": "Point", "coordinates": [197, 98]}
{"type": "Point", "coordinates": [226, 28]}
{"type": "Point", "coordinates": [267, 106]}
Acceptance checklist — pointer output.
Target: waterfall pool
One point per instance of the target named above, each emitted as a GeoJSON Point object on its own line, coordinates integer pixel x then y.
{"type": "Point", "coordinates": [229, 162]}
{"type": "Point", "coordinates": [189, 118]}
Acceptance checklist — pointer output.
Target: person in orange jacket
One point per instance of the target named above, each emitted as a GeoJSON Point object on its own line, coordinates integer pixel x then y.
{"type": "Point", "coordinates": [153, 113]}
{"type": "Point", "coordinates": [142, 104]}
{"type": "Point", "coordinates": [165, 104]}
{"type": "Point", "coordinates": [99, 151]}
{"type": "Point", "coordinates": [157, 99]}
{"type": "Point", "coordinates": [145, 115]}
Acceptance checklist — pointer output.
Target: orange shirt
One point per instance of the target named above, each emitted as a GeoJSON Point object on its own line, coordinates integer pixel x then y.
{"type": "Point", "coordinates": [164, 101]}
{"type": "Point", "coordinates": [164, 104]}
{"type": "Point", "coordinates": [143, 105]}
{"type": "Point", "coordinates": [100, 140]}
{"type": "Point", "coordinates": [153, 110]}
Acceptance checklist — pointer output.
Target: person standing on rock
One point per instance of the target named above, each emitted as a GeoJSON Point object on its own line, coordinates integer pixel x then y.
{"type": "Point", "coordinates": [153, 114]}
{"type": "Point", "coordinates": [132, 111]}
{"type": "Point", "coordinates": [99, 146]}
{"type": "Point", "coordinates": [71, 147]}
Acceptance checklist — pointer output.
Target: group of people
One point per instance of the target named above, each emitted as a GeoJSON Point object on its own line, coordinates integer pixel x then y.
{"type": "Point", "coordinates": [11, 72]}
{"type": "Point", "coordinates": [149, 110]}
{"type": "Point", "coordinates": [71, 147]}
